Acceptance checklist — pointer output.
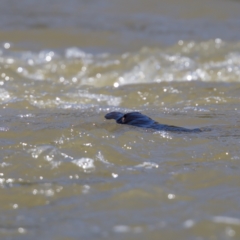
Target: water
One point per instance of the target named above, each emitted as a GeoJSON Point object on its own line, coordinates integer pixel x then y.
{"type": "Point", "coordinates": [66, 172]}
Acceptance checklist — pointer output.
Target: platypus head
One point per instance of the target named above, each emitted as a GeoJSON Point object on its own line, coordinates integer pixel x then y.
{"type": "Point", "coordinates": [133, 118]}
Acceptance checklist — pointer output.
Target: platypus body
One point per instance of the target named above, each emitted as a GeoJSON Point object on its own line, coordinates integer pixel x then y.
{"type": "Point", "coordinates": [138, 119]}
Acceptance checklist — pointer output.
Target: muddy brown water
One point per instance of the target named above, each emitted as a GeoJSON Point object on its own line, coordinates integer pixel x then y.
{"type": "Point", "coordinates": [67, 173]}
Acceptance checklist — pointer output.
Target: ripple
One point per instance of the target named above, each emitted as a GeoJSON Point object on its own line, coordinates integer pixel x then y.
{"type": "Point", "coordinates": [147, 165]}
{"type": "Point", "coordinates": [176, 63]}
{"type": "Point", "coordinates": [87, 164]}
{"type": "Point", "coordinates": [226, 220]}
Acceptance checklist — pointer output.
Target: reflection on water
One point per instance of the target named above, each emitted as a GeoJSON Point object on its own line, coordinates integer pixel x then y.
{"type": "Point", "coordinates": [186, 61]}
{"type": "Point", "coordinates": [66, 172]}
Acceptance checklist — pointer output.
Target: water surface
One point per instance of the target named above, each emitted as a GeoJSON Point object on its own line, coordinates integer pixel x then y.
{"type": "Point", "coordinates": [66, 172]}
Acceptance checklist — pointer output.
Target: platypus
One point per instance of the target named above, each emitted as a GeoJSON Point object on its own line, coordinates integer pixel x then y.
{"type": "Point", "coordinates": [140, 120]}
